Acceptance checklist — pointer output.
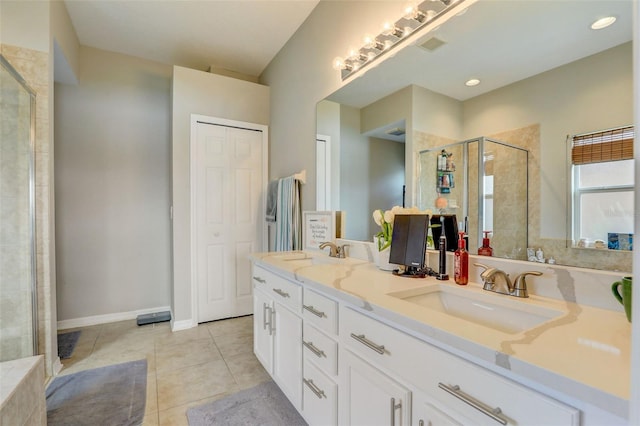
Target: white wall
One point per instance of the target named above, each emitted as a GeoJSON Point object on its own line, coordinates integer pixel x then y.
{"type": "Point", "coordinates": [197, 92]}
{"type": "Point", "coordinates": [113, 148]}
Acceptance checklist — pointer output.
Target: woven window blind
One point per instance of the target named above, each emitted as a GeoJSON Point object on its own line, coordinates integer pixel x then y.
{"type": "Point", "coordinates": [608, 145]}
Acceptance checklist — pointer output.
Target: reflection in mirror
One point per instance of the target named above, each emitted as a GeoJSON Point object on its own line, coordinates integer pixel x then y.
{"type": "Point", "coordinates": [536, 88]}
{"type": "Point", "coordinates": [486, 189]}
{"type": "Point", "coordinates": [602, 189]}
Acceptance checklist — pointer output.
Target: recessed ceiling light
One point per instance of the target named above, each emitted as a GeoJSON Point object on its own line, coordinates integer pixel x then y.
{"type": "Point", "coordinates": [603, 23]}
{"type": "Point", "coordinates": [472, 82]}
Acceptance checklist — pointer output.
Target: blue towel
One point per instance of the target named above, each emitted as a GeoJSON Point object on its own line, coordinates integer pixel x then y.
{"type": "Point", "coordinates": [272, 201]}
{"type": "Point", "coordinates": [288, 221]}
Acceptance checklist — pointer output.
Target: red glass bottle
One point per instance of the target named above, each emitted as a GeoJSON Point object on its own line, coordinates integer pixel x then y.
{"type": "Point", "coordinates": [461, 262]}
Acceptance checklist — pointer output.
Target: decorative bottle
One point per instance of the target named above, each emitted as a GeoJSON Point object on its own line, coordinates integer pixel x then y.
{"type": "Point", "coordinates": [461, 262]}
{"type": "Point", "coordinates": [486, 249]}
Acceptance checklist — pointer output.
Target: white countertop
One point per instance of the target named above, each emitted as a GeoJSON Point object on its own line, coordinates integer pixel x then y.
{"type": "Point", "coordinates": [584, 353]}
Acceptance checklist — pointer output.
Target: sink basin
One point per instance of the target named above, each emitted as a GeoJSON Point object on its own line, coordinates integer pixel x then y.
{"type": "Point", "coordinates": [499, 312]}
{"type": "Point", "coordinates": [304, 259]}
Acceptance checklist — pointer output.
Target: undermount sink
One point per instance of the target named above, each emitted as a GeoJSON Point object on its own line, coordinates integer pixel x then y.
{"type": "Point", "coordinates": [305, 259]}
{"type": "Point", "coordinates": [499, 312]}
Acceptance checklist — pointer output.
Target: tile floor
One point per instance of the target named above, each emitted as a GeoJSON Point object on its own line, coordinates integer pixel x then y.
{"type": "Point", "coordinates": [184, 368]}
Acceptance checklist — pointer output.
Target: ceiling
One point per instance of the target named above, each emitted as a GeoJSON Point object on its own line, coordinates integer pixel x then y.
{"type": "Point", "coordinates": [497, 41]}
{"type": "Point", "coordinates": [237, 35]}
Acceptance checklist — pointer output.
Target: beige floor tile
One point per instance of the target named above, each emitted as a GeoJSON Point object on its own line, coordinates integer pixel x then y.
{"type": "Point", "coordinates": [190, 353]}
{"type": "Point", "coordinates": [247, 370]}
{"type": "Point", "coordinates": [183, 336]}
{"type": "Point", "coordinates": [151, 404]}
{"type": "Point", "coordinates": [184, 368]}
{"type": "Point", "coordinates": [191, 384]}
{"type": "Point", "coordinates": [241, 325]}
{"type": "Point", "coordinates": [233, 344]}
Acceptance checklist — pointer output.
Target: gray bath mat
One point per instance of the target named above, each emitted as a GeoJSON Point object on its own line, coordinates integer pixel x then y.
{"type": "Point", "coordinates": [264, 405]}
{"type": "Point", "coordinates": [67, 343]}
{"type": "Point", "coordinates": [113, 395]}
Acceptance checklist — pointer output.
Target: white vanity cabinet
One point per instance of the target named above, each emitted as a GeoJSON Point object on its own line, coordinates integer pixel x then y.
{"type": "Point", "coordinates": [455, 389]}
{"type": "Point", "coordinates": [278, 330]}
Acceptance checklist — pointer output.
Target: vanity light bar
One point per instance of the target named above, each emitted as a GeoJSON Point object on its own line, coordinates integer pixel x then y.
{"type": "Point", "coordinates": [415, 17]}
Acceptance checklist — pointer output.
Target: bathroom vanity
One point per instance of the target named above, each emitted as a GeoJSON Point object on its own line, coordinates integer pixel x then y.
{"type": "Point", "coordinates": [351, 344]}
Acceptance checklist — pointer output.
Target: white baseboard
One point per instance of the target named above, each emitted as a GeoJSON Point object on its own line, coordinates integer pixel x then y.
{"type": "Point", "coordinates": [107, 318]}
{"type": "Point", "coordinates": [182, 325]}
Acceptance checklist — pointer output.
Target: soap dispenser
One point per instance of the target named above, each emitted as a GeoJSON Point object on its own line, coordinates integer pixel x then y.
{"type": "Point", "coordinates": [486, 249]}
{"type": "Point", "coordinates": [461, 262]}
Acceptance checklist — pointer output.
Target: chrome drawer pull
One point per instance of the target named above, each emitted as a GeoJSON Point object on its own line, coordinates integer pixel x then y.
{"type": "Point", "coordinates": [494, 413]}
{"type": "Point", "coordinates": [368, 343]}
{"type": "Point", "coordinates": [260, 280]}
{"type": "Point", "coordinates": [317, 352]}
{"type": "Point", "coordinates": [281, 293]}
{"type": "Point", "coordinates": [319, 392]}
{"type": "Point", "coordinates": [314, 311]}
{"type": "Point", "coordinates": [394, 407]}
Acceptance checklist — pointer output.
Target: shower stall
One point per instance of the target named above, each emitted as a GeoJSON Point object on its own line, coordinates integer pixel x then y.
{"type": "Point", "coordinates": [484, 182]}
{"type": "Point", "coordinates": [18, 304]}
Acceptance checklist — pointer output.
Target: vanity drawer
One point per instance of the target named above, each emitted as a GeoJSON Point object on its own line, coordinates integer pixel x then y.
{"type": "Point", "coordinates": [280, 289]}
{"type": "Point", "coordinates": [454, 382]}
{"type": "Point", "coordinates": [321, 311]}
{"type": "Point", "coordinates": [475, 393]}
{"type": "Point", "coordinates": [319, 397]}
{"type": "Point", "coordinates": [320, 349]}
{"type": "Point", "coordinates": [381, 344]}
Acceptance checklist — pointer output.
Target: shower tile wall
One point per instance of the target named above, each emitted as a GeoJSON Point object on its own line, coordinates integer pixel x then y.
{"type": "Point", "coordinates": [15, 230]}
{"type": "Point", "coordinates": [35, 67]}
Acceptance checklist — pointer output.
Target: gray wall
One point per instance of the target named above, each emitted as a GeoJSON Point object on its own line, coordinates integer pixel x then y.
{"type": "Point", "coordinates": [113, 148]}
{"type": "Point", "coordinates": [197, 92]}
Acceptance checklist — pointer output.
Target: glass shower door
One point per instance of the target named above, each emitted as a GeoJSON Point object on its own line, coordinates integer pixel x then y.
{"type": "Point", "coordinates": [18, 336]}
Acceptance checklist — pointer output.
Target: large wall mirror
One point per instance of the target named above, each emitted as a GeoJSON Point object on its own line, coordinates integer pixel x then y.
{"type": "Point", "coordinates": [544, 75]}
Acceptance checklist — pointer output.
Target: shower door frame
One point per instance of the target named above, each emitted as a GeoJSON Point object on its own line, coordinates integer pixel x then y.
{"type": "Point", "coordinates": [32, 197]}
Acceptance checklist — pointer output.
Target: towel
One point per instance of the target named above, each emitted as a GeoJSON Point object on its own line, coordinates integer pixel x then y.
{"type": "Point", "coordinates": [288, 220]}
{"type": "Point", "coordinates": [272, 201]}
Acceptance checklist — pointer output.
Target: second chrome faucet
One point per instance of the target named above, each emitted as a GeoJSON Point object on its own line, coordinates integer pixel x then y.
{"type": "Point", "coordinates": [498, 281]}
{"type": "Point", "coordinates": [334, 250]}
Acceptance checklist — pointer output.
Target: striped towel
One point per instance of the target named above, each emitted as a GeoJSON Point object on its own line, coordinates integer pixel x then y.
{"type": "Point", "coordinates": [272, 201]}
{"type": "Point", "coordinates": [288, 219]}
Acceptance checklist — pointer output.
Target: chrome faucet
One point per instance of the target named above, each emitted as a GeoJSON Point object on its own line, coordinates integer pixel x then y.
{"type": "Point", "coordinates": [334, 250]}
{"type": "Point", "coordinates": [517, 289]}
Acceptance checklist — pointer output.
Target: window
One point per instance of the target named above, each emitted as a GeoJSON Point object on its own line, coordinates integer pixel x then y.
{"type": "Point", "coordinates": [602, 184]}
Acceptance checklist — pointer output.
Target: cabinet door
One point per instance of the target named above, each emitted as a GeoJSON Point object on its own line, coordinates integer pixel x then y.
{"type": "Point", "coordinates": [368, 397]}
{"type": "Point", "coordinates": [425, 413]}
{"type": "Point", "coordinates": [263, 329]}
{"type": "Point", "coordinates": [287, 353]}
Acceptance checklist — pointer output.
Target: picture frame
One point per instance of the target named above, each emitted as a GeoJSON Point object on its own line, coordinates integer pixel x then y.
{"type": "Point", "coordinates": [321, 226]}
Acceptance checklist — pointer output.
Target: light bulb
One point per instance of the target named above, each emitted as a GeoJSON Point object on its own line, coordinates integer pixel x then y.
{"type": "Point", "coordinates": [338, 63]}
{"type": "Point", "coordinates": [390, 29]}
{"type": "Point", "coordinates": [353, 54]}
{"type": "Point", "coordinates": [369, 41]}
{"type": "Point", "coordinates": [410, 10]}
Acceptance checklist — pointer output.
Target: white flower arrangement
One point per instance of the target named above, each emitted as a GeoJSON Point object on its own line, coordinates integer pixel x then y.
{"type": "Point", "coordinates": [384, 219]}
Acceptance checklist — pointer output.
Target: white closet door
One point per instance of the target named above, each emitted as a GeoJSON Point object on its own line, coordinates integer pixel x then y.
{"type": "Point", "coordinates": [229, 218]}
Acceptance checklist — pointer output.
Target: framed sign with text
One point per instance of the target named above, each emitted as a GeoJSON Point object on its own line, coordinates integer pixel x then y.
{"type": "Point", "coordinates": [319, 227]}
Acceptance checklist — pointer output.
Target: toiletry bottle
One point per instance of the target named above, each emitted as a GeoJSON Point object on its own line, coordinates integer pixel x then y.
{"type": "Point", "coordinates": [442, 264]}
{"type": "Point", "coordinates": [486, 249]}
{"type": "Point", "coordinates": [461, 262]}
